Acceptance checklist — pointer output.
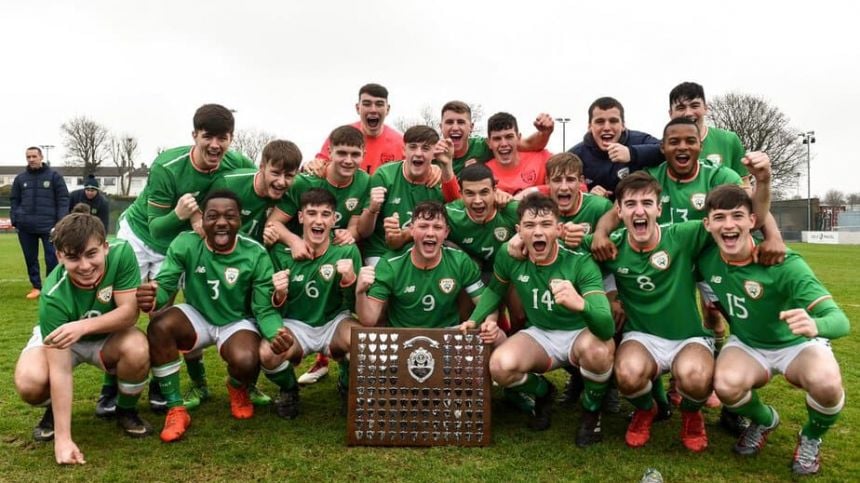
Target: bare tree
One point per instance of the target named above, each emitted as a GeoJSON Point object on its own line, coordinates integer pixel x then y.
{"type": "Point", "coordinates": [430, 117]}
{"type": "Point", "coordinates": [762, 127]}
{"type": "Point", "coordinates": [834, 198]}
{"type": "Point", "coordinates": [251, 142]}
{"type": "Point", "coordinates": [87, 143]}
{"type": "Point", "coordinates": [854, 199]}
{"type": "Point", "coordinates": [123, 150]}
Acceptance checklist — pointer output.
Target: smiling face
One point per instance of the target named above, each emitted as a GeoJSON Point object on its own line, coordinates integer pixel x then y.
{"type": "Point", "coordinates": [731, 230]}
{"type": "Point", "coordinates": [276, 181]}
{"type": "Point", "coordinates": [87, 267]}
{"type": "Point", "coordinates": [317, 221]}
{"type": "Point", "coordinates": [606, 126]}
{"type": "Point", "coordinates": [371, 112]}
{"type": "Point", "coordinates": [564, 190]}
{"type": "Point", "coordinates": [344, 161]}
{"type": "Point", "coordinates": [209, 149]}
{"type": "Point", "coordinates": [221, 221]}
{"type": "Point", "coordinates": [428, 235]}
{"type": "Point", "coordinates": [503, 144]}
{"type": "Point", "coordinates": [418, 158]}
{"type": "Point", "coordinates": [681, 146]}
{"type": "Point", "coordinates": [639, 211]}
{"type": "Point", "coordinates": [458, 126]}
{"type": "Point", "coordinates": [479, 199]}
{"type": "Point", "coordinates": [539, 231]}
{"type": "Point", "coordinates": [693, 109]}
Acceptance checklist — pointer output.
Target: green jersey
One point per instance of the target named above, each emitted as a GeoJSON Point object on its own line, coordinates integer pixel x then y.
{"type": "Point", "coordinates": [223, 287]}
{"type": "Point", "coordinates": [724, 148]}
{"type": "Point", "coordinates": [532, 284]}
{"type": "Point", "coordinates": [425, 298]}
{"type": "Point", "coordinates": [754, 295]}
{"type": "Point", "coordinates": [62, 301]}
{"type": "Point", "coordinates": [316, 294]}
{"type": "Point", "coordinates": [684, 200]}
{"type": "Point", "coordinates": [589, 211]}
{"type": "Point", "coordinates": [477, 150]}
{"type": "Point", "coordinates": [255, 208]}
{"type": "Point", "coordinates": [657, 285]}
{"type": "Point", "coordinates": [151, 216]}
{"type": "Point", "coordinates": [481, 240]}
{"type": "Point", "coordinates": [401, 197]}
{"type": "Point", "coordinates": [351, 199]}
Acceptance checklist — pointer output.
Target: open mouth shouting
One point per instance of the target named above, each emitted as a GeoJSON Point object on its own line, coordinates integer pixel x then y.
{"type": "Point", "coordinates": [373, 120]}
{"type": "Point", "coordinates": [640, 227]}
{"type": "Point", "coordinates": [222, 239]}
{"type": "Point", "coordinates": [730, 240]}
{"type": "Point", "coordinates": [683, 161]}
{"type": "Point", "coordinates": [564, 200]}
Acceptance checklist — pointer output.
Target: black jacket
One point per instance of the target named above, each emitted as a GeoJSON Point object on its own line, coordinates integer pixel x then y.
{"type": "Point", "coordinates": [598, 169]}
{"type": "Point", "coordinates": [39, 199]}
{"type": "Point", "coordinates": [99, 206]}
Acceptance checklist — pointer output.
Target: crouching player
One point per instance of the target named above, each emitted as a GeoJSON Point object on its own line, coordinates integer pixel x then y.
{"type": "Point", "coordinates": [87, 313]}
{"type": "Point", "coordinates": [567, 313]}
{"type": "Point", "coordinates": [316, 299]}
{"type": "Point", "coordinates": [781, 320]}
{"type": "Point", "coordinates": [228, 279]}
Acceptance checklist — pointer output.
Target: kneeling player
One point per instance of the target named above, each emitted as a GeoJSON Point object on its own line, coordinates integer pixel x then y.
{"type": "Point", "coordinates": [317, 298]}
{"type": "Point", "coordinates": [87, 313]}
{"type": "Point", "coordinates": [568, 318]}
{"type": "Point", "coordinates": [781, 320]}
{"type": "Point", "coordinates": [228, 278]}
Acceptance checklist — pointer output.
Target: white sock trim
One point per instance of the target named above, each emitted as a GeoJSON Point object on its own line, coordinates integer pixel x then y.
{"type": "Point", "coordinates": [823, 410]}
{"type": "Point", "coordinates": [745, 399]}
{"type": "Point", "coordinates": [595, 377]}
{"type": "Point", "coordinates": [283, 367]}
{"type": "Point", "coordinates": [132, 388]}
{"type": "Point", "coordinates": [167, 369]}
{"type": "Point", "coordinates": [521, 381]}
{"type": "Point", "coordinates": [641, 392]}
{"type": "Point", "coordinates": [687, 396]}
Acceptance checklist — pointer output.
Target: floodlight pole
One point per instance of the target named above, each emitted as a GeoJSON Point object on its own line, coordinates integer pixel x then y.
{"type": "Point", "coordinates": [808, 139]}
{"type": "Point", "coordinates": [563, 121]}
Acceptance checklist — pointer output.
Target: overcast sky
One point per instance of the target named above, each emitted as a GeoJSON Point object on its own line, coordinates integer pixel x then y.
{"type": "Point", "coordinates": [294, 68]}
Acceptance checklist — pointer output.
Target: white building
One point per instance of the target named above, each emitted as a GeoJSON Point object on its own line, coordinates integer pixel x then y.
{"type": "Point", "coordinates": [108, 177]}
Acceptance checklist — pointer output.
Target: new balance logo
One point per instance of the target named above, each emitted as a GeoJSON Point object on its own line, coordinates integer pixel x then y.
{"type": "Point", "coordinates": [523, 278]}
{"type": "Point", "coordinates": [200, 269]}
{"type": "Point", "coordinates": [299, 278]}
{"type": "Point", "coordinates": [716, 279]}
{"type": "Point", "coordinates": [623, 270]}
{"type": "Point", "coordinates": [468, 240]}
{"type": "Point", "coordinates": [409, 289]}
{"type": "Point", "coordinates": [395, 201]}
{"type": "Point", "coordinates": [246, 212]}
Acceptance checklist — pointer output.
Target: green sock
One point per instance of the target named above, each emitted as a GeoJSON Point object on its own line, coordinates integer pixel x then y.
{"type": "Point", "coordinates": [644, 401]}
{"type": "Point", "coordinates": [196, 371]}
{"type": "Point", "coordinates": [534, 385]}
{"type": "Point", "coordinates": [235, 383]}
{"type": "Point", "coordinates": [658, 392]}
{"type": "Point", "coordinates": [127, 401]}
{"type": "Point", "coordinates": [755, 410]}
{"type": "Point", "coordinates": [129, 394]}
{"type": "Point", "coordinates": [167, 376]}
{"type": "Point", "coordinates": [690, 406]}
{"type": "Point", "coordinates": [109, 380]}
{"type": "Point", "coordinates": [285, 378]}
{"type": "Point", "coordinates": [523, 402]}
{"type": "Point", "coordinates": [343, 374]}
{"type": "Point", "coordinates": [592, 396]}
{"type": "Point", "coordinates": [818, 423]}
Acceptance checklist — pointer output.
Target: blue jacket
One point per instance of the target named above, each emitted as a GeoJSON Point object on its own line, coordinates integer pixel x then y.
{"type": "Point", "coordinates": [599, 170]}
{"type": "Point", "coordinates": [39, 199]}
{"type": "Point", "coordinates": [99, 206]}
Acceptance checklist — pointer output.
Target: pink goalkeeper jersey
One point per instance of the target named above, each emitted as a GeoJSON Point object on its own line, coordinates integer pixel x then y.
{"type": "Point", "coordinates": [531, 171]}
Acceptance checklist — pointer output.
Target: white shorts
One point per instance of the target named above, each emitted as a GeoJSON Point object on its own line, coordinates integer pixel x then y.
{"type": "Point", "coordinates": [89, 351]}
{"type": "Point", "coordinates": [371, 261]}
{"type": "Point", "coordinates": [208, 334]}
{"type": "Point", "coordinates": [776, 360]}
{"type": "Point", "coordinates": [556, 343]}
{"type": "Point", "coordinates": [664, 351]}
{"type": "Point", "coordinates": [315, 339]}
{"type": "Point", "coordinates": [148, 259]}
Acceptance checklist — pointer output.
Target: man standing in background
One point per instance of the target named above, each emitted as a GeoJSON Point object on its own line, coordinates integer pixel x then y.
{"type": "Point", "coordinates": [39, 199]}
{"type": "Point", "coordinates": [92, 196]}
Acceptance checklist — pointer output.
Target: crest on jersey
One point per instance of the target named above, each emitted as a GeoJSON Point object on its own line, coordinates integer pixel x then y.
{"type": "Point", "coordinates": [501, 233]}
{"type": "Point", "coordinates": [231, 275]}
{"type": "Point", "coordinates": [327, 271]}
{"type": "Point", "coordinates": [529, 177]}
{"type": "Point", "coordinates": [587, 227]}
{"type": "Point", "coordinates": [715, 158]}
{"type": "Point", "coordinates": [447, 284]}
{"type": "Point", "coordinates": [351, 203]}
{"type": "Point", "coordinates": [753, 289]}
{"type": "Point", "coordinates": [698, 201]}
{"type": "Point", "coordinates": [105, 294]}
{"type": "Point", "coordinates": [623, 172]}
{"type": "Point", "coordinates": [660, 260]}
{"type": "Point", "coordinates": [421, 364]}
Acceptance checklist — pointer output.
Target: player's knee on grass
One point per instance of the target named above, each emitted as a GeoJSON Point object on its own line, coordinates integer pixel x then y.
{"type": "Point", "coordinates": [505, 367]}
{"type": "Point", "coordinates": [826, 387]}
{"type": "Point", "coordinates": [31, 377]}
{"type": "Point", "coordinates": [242, 354]}
{"type": "Point", "coordinates": [730, 386]}
{"type": "Point", "coordinates": [593, 354]}
{"type": "Point", "coordinates": [631, 374]}
{"type": "Point", "coordinates": [694, 374]}
{"type": "Point", "coordinates": [133, 356]}
{"type": "Point", "coordinates": [268, 359]}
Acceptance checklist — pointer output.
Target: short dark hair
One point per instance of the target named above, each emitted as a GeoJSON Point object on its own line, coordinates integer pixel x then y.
{"type": "Point", "coordinates": [346, 136]}
{"type": "Point", "coordinates": [429, 210]}
{"type": "Point", "coordinates": [420, 134]}
{"type": "Point", "coordinates": [680, 121]}
{"type": "Point", "coordinates": [282, 154]}
{"type": "Point", "coordinates": [215, 119]}
{"type": "Point", "coordinates": [605, 104]}
{"type": "Point", "coordinates": [81, 208]}
{"type": "Point", "coordinates": [75, 230]}
{"type": "Point", "coordinates": [477, 172]}
{"type": "Point", "coordinates": [317, 197]}
{"type": "Point", "coordinates": [501, 121]}
{"type": "Point", "coordinates": [459, 107]}
{"type": "Point", "coordinates": [374, 90]}
{"type": "Point", "coordinates": [563, 163]}
{"type": "Point", "coordinates": [34, 148]}
{"type": "Point", "coordinates": [728, 197]}
{"type": "Point", "coordinates": [221, 194]}
{"type": "Point", "coordinates": [538, 204]}
{"type": "Point", "coordinates": [638, 181]}
{"type": "Point", "coordinates": [686, 91]}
